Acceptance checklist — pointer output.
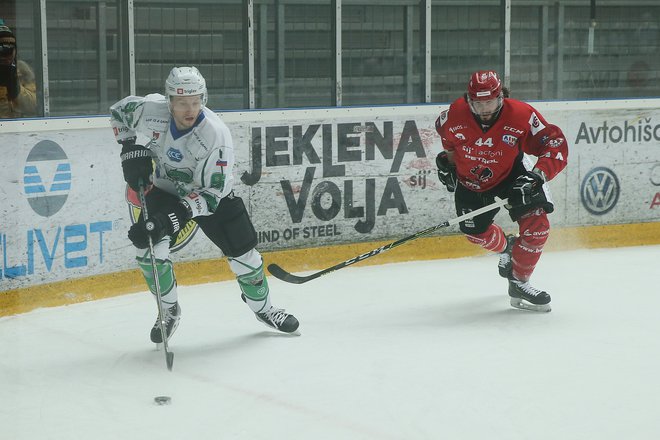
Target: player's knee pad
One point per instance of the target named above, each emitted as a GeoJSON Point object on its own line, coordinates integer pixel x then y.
{"type": "Point", "coordinates": [235, 233]}
{"type": "Point", "coordinates": [165, 272]}
{"type": "Point", "coordinates": [161, 250]}
{"type": "Point", "coordinates": [245, 263]}
{"type": "Point", "coordinates": [493, 239]}
{"type": "Point", "coordinates": [534, 229]}
{"type": "Point", "coordinates": [477, 225]}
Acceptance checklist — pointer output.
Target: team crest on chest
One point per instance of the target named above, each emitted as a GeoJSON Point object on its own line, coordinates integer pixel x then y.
{"type": "Point", "coordinates": [174, 155]}
{"type": "Point", "coordinates": [510, 140]}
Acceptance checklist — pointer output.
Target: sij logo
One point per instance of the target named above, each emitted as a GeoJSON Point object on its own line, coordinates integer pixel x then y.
{"type": "Point", "coordinates": [47, 178]}
{"type": "Point", "coordinates": [600, 190]}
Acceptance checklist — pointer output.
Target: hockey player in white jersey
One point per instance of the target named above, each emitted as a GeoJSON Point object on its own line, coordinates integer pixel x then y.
{"type": "Point", "coordinates": [193, 153]}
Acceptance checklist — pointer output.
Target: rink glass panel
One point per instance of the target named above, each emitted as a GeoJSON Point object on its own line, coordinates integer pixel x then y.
{"type": "Point", "coordinates": [90, 62]}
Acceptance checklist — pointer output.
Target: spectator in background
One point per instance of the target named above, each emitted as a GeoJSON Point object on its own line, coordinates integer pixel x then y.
{"type": "Point", "coordinates": [18, 90]}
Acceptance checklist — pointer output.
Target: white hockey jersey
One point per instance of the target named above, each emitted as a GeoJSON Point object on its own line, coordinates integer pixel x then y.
{"type": "Point", "coordinates": [195, 164]}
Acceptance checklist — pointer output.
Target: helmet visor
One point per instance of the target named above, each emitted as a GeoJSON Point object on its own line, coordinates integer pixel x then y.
{"type": "Point", "coordinates": [186, 103]}
{"type": "Point", "coordinates": [485, 108]}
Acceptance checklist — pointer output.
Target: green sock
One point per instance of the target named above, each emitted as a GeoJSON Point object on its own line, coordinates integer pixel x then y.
{"type": "Point", "coordinates": [254, 284]}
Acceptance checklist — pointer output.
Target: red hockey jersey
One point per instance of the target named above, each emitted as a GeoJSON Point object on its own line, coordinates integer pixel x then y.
{"type": "Point", "coordinates": [484, 159]}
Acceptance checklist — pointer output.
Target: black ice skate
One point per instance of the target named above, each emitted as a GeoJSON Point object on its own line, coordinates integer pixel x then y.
{"type": "Point", "coordinates": [505, 264]}
{"type": "Point", "coordinates": [525, 297]}
{"type": "Point", "coordinates": [172, 317]}
{"type": "Point", "coordinates": [279, 320]}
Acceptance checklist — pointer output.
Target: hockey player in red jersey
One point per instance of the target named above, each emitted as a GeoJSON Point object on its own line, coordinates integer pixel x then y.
{"type": "Point", "coordinates": [488, 138]}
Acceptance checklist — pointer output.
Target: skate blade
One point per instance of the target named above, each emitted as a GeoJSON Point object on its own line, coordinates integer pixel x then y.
{"type": "Point", "coordinates": [521, 304]}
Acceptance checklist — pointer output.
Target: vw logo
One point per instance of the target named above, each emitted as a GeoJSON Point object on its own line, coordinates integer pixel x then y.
{"type": "Point", "coordinates": [600, 190]}
{"type": "Point", "coordinates": [655, 175]}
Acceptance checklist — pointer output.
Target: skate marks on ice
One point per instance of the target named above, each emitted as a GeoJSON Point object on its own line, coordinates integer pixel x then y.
{"type": "Point", "coordinates": [400, 351]}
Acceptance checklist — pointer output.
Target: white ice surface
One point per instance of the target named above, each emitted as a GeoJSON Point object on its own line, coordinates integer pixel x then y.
{"type": "Point", "coordinates": [423, 350]}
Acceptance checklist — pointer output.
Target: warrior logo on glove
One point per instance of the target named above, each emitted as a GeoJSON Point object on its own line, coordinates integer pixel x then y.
{"type": "Point", "coordinates": [136, 164]}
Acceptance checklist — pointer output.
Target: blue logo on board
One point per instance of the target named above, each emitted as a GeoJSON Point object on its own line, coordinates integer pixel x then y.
{"type": "Point", "coordinates": [47, 178]}
{"type": "Point", "coordinates": [600, 190]}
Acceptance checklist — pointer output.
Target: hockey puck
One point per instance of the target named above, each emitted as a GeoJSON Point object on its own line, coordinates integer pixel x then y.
{"type": "Point", "coordinates": [163, 400]}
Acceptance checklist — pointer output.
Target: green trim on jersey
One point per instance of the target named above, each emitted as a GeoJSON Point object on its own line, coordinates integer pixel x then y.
{"type": "Point", "coordinates": [206, 162]}
{"type": "Point", "coordinates": [218, 181]}
{"type": "Point", "coordinates": [211, 201]}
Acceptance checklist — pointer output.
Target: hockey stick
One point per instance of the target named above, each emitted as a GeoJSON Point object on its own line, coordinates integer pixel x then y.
{"type": "Point", "coordinates": [169, 356]}
{"type": "Point", "coordinates": [283, 275]}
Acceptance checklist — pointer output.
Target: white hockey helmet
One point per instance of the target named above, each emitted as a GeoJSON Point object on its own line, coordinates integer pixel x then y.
{"type": "Point", "coordinates": [186, 81]}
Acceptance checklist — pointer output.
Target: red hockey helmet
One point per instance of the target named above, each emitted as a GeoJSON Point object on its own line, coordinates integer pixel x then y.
{"type": "Point", "coordinates": [485, 94]}
{"type": "Point", "coordinates": [484, 85]}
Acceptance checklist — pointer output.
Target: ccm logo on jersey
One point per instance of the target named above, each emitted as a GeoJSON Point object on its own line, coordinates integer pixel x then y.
{"type": "Point", "coordinates": [513, 129]}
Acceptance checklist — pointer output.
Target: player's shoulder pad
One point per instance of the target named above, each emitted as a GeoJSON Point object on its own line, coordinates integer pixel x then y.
{"type": "Point", "coordinates": [441, 120]}
{"type": "Point", "coordinates": [215, 124]}
{"type": "Point", "coordinates": [212, 117]}
{"type": "Point", "coordinates": [525, 114]}
{"type": "Point", "coordinates": [155, 97]}
{"type": "Point", "coordinates": [212, 133]}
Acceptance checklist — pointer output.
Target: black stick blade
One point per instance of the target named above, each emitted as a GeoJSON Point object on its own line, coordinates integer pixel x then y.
{"type": "Point", "coordinates": [285, 276]}
{"type": "Point", "coordinates": [169, 357]}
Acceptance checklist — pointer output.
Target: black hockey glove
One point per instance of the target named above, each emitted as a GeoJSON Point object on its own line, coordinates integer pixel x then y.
{"type": "Point", "coordinates": [9, 79]}
{"type": "Point", "coordinates": [136, 163]}
{"type": "Point", "coordinates": [158, 226]}
{"type": "Point", "coordinates": [446, 171]}
{"type": "Point", "coordinates": [526, 189]}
